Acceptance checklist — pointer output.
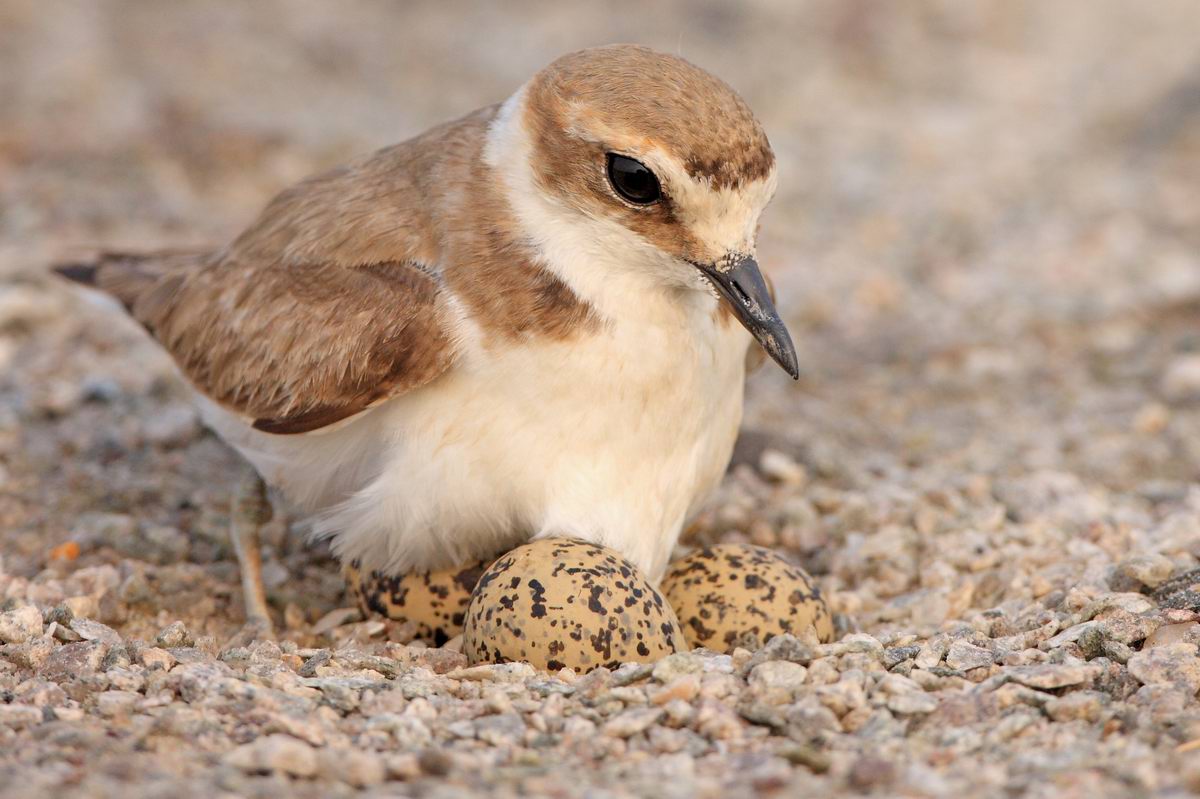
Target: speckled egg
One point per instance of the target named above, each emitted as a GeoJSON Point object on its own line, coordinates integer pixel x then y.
{"type": "Point", "coordinates": [436, 601]}
{"type": "Point", "coordinates": [733, 595]}
{"type": "Point", "coordinates": [558, 603]}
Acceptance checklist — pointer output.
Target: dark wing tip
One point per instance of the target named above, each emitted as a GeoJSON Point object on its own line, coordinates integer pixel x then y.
{"type": "Point", "coordinates": [84, 273]}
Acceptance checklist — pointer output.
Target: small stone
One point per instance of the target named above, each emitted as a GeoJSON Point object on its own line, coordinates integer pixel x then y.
{"type": "Point", "coordinates": [782, 468]}
{"type": "Point", "coordinates": [173, 636]}
{"type": "Point", "coordinates": [32, 654]}
{"type": "Point", "coordinates": [1048, 676]}
{"type": "Point", "coordinates": [912, 703]}
{"type": "Point", "coordinates": [894, 656]}
{"type": "Point", "coordinates": [108, 529]}
{"type": "Point", "coordinates": [631, 722]}
{"type": "Point", "coordinates": [870, 772]}
{"type": "Point", "coordinates": [85, 606]}
{"type": "Point", "coordinates": [964, 656]}
{"type": "Point", "coordinates": [71, 661]}
{"type": "Point", "coordinates": [503, 729]}
{"type": "Point", "coordinates": [810, 757]}
{"type": "Point", "coordinates": [162, 543]}
{"type": "Point", "coordinates": [116, 703]}
{"type": "Point", "coordinates": [629, 673]}
{"type": "Point", "coordinates": [409, 732]}
{"type": "Point", "coordinates": [778, 680]}
{"type": "Point", "coordinates": [403, 766]}
{"type": "Point", "coordinates": [1077, 706]}
{"type": "Point", "coordinates": [784, 647]}
{"type": "Point", "coordinates": [1152, 418]}
{"type": "Point", "coordinates": [117, 657]}
{"type": "Point", "coordinates": [280, 753]}
{"type": "Point", "coordinates": [20, 624]}
{"type": "Point", "coordinates": [1127, 628]}
{"type": "Point", "coordinates": [153, 657]}
{"type": "Point", "coordinates": [90, 630]}
{"type": "Point", "coordinates": [1174, 663]}
{"type": "Point", "coordinates": [1172, 634]}
{"type": "Point", "coordinates": [677, 665]}
{"type": "Point", "coordinates": [1181, 381]}
{"type": "Point", "coordinates": [495, 672]}
{"type": "Point", "coordinates": [135, 589]}
{"type": "Point", "coordinates": [932, 652]}
{"type": "Point", "coordinates": [18, 716]}
{"type": "Point", "coordinates": [1149, 570]}
{"type": "Point", "coordinates": [125, 679]}
{"type": "Point", "coordinates": [334, 619]}
{"type": "Point", "coordinates": [439, 660]}
{"type": "Point", "coordinates": [353, 767]}
{"type": "Point", "coordinates": [684, 688]}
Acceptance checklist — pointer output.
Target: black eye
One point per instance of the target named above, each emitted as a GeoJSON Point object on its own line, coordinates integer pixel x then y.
{"type": "Point", "coordinates": [632, 180]}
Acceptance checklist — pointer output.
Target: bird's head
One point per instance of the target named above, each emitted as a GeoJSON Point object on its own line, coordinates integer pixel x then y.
{"type": "Point", "coordinates": [643, 162]}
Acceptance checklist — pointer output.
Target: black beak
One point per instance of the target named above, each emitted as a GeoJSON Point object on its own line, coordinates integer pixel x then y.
{"type": "Point", "coordinates": [740, 282]}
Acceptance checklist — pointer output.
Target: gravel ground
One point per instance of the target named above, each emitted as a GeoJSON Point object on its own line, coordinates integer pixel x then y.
{"type": "Point", "coordinates": [986, 242]}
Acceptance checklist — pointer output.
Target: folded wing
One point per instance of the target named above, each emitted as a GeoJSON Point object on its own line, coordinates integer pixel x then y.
{"type": "Point", "coordinates": [291, 346]}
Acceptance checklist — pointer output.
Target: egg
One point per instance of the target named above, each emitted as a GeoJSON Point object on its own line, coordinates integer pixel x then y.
{"type": "Point", "coordinates": [558, 603]}
{"type": "Point", "coordinates": [436, 601]}
{"type": "Point", "coordinates": [733, 595]}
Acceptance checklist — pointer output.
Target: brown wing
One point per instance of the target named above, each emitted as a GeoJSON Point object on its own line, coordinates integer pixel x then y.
{"type": "Point", "coordinates": [324, 305]}
{"type": "Point", "coordinates": [295, 347]}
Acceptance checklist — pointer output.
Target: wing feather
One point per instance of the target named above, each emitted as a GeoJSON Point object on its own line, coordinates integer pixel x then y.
{"type": "Point", "coordinates": [293, 347]}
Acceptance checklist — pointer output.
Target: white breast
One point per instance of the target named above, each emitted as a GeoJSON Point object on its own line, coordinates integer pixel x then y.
{"type": "Point", "coordinates": [614, 438]}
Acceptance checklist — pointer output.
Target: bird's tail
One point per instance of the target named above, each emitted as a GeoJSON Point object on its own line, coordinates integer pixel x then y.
{"type": "Point", "coordinates": [125, 276]}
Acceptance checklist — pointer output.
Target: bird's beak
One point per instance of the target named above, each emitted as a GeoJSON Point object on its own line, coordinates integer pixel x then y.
{"type": "Point", "coordinates": [740, 283]}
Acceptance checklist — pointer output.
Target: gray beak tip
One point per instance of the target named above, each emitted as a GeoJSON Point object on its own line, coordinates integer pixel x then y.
{"type": "Point", "coordinates": [742, 287]}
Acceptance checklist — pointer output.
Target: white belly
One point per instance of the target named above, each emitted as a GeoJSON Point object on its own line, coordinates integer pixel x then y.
{"type": "Point", "coordinates": [614, 438]}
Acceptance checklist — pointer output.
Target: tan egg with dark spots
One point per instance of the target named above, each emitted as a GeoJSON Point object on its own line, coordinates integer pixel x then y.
{"type": "Point", "coordinates": [435, 601]}
{"type": "Point", "coordinates": [733, 595]}
{"type": "Point", "coordinates": [558, 603]}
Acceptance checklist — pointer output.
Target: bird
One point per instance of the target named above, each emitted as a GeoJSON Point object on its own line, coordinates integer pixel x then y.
{"type": "Point", "coordinates": [531, 322]}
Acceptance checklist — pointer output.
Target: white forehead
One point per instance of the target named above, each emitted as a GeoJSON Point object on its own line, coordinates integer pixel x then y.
{"type": "Point", "coordinates": [723, 219]}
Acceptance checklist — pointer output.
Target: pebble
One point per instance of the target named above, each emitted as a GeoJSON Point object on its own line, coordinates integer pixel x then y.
{"type": "Point", "coordinates": [1173, 663]}
{"type": "Point", "coordinates": [74, 660]}
{"type": "Point", "coordinates": [173, 636]}
{"type": "Point", "coordinates": [912, 704]}
{"type": "Point", "coordinates": [677, 665]}
{"type": "Point", "coordinates": [17, 716]}
{"type": "Point", "coordinates": [20, 624]}
{"type": "Point", "coordinates": [778, 678]}
{"type": "Point", "coordinates": [154, 657]}
{"type": "Point", "coordinates": [355, 768]}
{"type": "Point", "coordinates": [1050, 676]}
{"type": "Point", "coordinates": [683, 688]}
{"type": "Point", "coordinates": [1149, 570]}
{"type": "Point", "coordinates": [116, 703]}
{"type": "Point", "coordinates": [1077, 706]}
{"type": "Point", "coordinates": [964, 656]}
{"type": "Point", "coordinates": [1172, 634]}
{"type": "Point", "coordinates": [1181, 381]}
{"type": "Point", "coordinates": [277, 753]}
{"type": "Point", "coordinates": [494, 672]}
{"type": "Point", "coordinates": [781, 468]}
{"type": "Point", "coordinates": [90, 630]}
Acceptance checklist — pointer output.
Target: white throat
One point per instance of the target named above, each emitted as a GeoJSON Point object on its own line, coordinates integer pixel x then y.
{"type": "Point", "coordinates": [604, 263]}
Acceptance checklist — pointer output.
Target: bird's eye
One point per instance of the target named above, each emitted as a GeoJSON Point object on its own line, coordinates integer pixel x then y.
{"type": "Point", "coordinates": [632, 180]}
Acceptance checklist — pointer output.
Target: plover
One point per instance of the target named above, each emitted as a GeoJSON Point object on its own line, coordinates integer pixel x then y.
{"type": "Point", "coordinates": [530, 322]}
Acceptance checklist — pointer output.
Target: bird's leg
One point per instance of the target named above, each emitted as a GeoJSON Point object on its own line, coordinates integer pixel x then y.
{"type": "Point", "coordinates": [251, 510]}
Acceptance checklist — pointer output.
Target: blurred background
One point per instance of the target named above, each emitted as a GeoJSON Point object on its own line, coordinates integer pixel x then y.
{"type": "Point", "coordinates": [986, 240]}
